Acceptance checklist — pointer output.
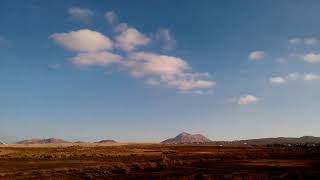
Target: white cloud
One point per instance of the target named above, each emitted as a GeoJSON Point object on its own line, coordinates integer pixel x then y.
{"type": "Point", "coordinates": [294, 41]}
{"type": "Point", "coordinates": [257, 55]}
{"type": "Point", "coordinates": [166, 38]}
{"type": "Point", "coordinates": [154, 64]}
{"type": "Point", "coordinates": [130, 38]}
{"type": "Point", "coordinates": [80, 14]}
{"type": "Point", "coordinates": [312, 58]}
{"type": "Point", "coordinates": [111, 17]}
{"type": "Point", "coordinates": [168, 71]}
{"type": "Point", "coordinates": [96, 58]}
{"type": "Point", "coordinates": [278, 80]}
{"type": "Point", "coordinates": [311, 77]}
{"type": "Point", "coordinates": [93, 48]}
{"type": "Point", "coordinates": [310, 41]}
{"type": "Point", "coordinates": [83, 40]}
{"type": "Point", "coordinates": [188, 81]}
{"type": "Point", "coordinates": [293, 76]}
{"type": "Point", "coordinates": [248, 99]}
{"type": "Point", "coordinates": [283, 80]}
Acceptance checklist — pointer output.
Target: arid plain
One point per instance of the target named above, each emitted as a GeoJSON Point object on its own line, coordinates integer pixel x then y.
{"type": "Point", "coordinates": [157, 161]}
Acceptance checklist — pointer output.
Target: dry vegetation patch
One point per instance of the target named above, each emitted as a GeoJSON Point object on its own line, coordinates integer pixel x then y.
{"type": "Point", "coordinates": [145, 161]}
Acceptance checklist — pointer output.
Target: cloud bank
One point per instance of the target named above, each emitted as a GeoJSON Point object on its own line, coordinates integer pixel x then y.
{"type": "Point", "coordinates": [168, 71]}
{"type": "Point", "coordinates": [96, 49]}
{"type": "Point", "coordinates": [281, 80]}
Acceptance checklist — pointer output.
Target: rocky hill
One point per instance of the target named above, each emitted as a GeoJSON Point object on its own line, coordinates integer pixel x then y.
{"type": "Point", "coordinates": [186, 138]}
{"type": "Point", "coordinates": [42, 141]}
{"type": "Point", "coordinates": [107, 141]}
{"type": "Point", "coordinates": [2, 143]}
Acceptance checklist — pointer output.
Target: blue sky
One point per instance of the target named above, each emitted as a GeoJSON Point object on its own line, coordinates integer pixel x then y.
{"type": "Point", "coordinates": [144, 71]}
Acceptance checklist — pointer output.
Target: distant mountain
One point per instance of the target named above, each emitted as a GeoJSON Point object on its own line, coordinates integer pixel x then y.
{"type": "Point", "coordinates": [186, 138]}
{"type": "Point", "coordinates": [107, 141]}
{"type": "Point", "coordinates": [277, 140]}
{"type": "Point", "coordinates": [42, 141]}
{"type": "Point", "coordinates": [1, 143]}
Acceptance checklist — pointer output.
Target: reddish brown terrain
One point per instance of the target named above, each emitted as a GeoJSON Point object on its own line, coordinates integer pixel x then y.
{"type": "Point", "coordinates": [158, 161]}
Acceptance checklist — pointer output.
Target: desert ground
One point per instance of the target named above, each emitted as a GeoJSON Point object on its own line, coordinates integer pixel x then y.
{"type": "Point", "coordinates": [157, 161]}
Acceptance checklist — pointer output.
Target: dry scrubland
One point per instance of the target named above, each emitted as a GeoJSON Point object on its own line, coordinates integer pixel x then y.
{"type": "Point", "coordinates": [155, 161]}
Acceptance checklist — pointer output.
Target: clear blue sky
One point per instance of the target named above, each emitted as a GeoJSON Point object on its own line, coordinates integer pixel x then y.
{"type": "Point", "coordinates": [144, 71]}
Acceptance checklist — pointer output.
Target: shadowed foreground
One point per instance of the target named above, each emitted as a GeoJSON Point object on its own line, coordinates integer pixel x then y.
{"type": "Point", "coordinates": [146, 161]}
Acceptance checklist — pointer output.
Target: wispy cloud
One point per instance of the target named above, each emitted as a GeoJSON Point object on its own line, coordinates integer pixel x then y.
{"type": "Point", "coordinates": [111, 17]}
{"type": "Point", "coordinates": [282, 60]}
{"type": "Point", "coordinates": [54, 66]}
{"type": "Point", "coordinates": [96, 58]}
{"type": "Point", "coordinates": [293, 76]}
{"type": "Point", "coordinates": [294, 41]}
{"type": "Point", "coordinates": [280, 80]}
{"type": "Point", "coordinates": [80, 14]}
{"type": "Point", "coordinates": [306, 41]}
{"type": "Point", "coordinates": [3, 41]}
{"type": "Point", "coordinates": [257, 55]}
{"type": "Point", "coordinates": [247, 100]}
{"type": "Point", "coordinates": [311, 41]}
{"type": "Point", "coordinates": [311, 77]}
{"type": "Point", "coordinates": [165, 37]}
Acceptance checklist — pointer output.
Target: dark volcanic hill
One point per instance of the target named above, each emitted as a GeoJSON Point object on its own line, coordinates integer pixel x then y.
{"type": "Point", "coordinates": [42, 141]}
{"type": "Point", "coordinates": [276, 140]}
{"type": "Point", "coordinates": [107, 141]}
{"type": "Point", "coordinates": [186, 138]}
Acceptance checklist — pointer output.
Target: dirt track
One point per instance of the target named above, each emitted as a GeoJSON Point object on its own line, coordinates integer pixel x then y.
{"type": "Point", "coordinates": [147, 161]}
